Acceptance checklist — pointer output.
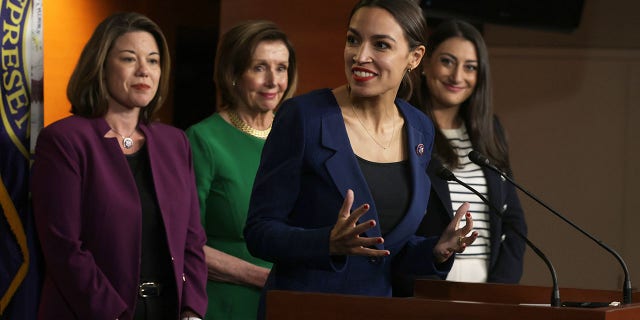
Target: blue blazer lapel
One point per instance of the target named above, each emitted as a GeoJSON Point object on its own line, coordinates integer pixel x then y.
{"type": "Point", "coordinates": [420, 184]}
{"type": "Point", "coordinates": [494, 186]}
{"type": "Point", "coordinates": [495, 194]}
{"type": "Point", "coordinates": [440, 186]}
{"type": "Point", "coordinates": [344, 170]}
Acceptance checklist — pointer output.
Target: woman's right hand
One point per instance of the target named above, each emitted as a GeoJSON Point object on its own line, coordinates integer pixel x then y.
{"type": "Point", "coordinates": [345, 236]}
{"type": "Point", "coordinates": [454, 239]}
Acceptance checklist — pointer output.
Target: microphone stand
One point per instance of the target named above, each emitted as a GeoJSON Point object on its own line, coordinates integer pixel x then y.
{"type": "Point", "coordinates": [481, 160]}
{"type": "Point", "coordinates": [446, 174]}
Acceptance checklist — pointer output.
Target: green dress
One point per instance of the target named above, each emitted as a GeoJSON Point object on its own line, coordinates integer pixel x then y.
{"type": "Point", "coordinates": [225, 162]}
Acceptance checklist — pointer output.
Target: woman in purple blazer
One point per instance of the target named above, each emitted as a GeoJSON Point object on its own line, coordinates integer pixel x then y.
{"type": "Point", "coordinates": [114, 194]}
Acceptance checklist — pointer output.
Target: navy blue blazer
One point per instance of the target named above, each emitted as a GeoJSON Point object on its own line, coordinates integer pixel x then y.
{"type": "Point", "coordinates": [306, 168]}
{"type": "Point", "coordinates": [507, 248]}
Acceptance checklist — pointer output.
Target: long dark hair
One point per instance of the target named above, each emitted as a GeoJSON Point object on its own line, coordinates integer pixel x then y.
{"type": "Point", "coordinates": [477, 111]}
{"type": "Point", "coordinates": [410, 18]}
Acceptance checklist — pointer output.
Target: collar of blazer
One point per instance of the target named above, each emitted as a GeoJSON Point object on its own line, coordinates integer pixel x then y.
{"type": "Point", "coordinates": [345, 172]}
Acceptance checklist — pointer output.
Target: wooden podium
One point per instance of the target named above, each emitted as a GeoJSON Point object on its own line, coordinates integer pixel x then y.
{"type": "Point", "coordinates": [445, 300]}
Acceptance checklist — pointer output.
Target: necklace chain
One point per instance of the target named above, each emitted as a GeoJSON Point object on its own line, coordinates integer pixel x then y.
{"type": "Point", "coordinates": [393, 130]}
{"type": "Point", "coordinates": [244, 127]}
{"type": "Point", "coordinates": [127, 142]}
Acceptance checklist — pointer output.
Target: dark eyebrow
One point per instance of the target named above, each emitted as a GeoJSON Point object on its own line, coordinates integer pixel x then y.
{"type": "Point", "coordinates": [456, 59]}
{"type": "Point", "coordinates": [375, 36]}
{"type": "Point", "coordinates": [354, 31]}
{"type": "Point", "coordinates": [266, 62]}
{"type": "Point", "coordinates": [133, 52]}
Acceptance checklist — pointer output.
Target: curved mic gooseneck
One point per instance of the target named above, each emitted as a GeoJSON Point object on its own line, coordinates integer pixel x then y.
{"type": "Point", "coordinates": [479, 159]}
{"type": "Point", "coordinates": [446, 174]}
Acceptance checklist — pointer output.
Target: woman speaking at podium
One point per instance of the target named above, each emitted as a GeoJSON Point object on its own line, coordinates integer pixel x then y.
{"type": "Point", "coordinates": [342, 183]}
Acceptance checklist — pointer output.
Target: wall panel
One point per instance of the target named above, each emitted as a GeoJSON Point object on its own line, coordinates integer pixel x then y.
{"type": "Point", "coordinates": [571, 135]}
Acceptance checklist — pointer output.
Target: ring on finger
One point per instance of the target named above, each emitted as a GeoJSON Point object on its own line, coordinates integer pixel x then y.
{"type": "Point", "coordinates": [460, 240]}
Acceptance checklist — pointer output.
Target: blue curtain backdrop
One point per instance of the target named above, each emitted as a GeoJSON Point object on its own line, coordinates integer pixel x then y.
{"type": "Point", "coordinates": [21, 84]}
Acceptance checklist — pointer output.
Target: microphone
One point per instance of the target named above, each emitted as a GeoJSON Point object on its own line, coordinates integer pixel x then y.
{"type": "Point", "coordinates": [481, 160]}
{"type": "Point", "coordinates": [446, 174]}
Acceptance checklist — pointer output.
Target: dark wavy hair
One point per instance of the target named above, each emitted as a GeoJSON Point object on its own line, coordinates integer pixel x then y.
{"type": "Point", "coordinates": [235, 50]}
{"type": "Point", "coordinates": [410, 18]}
{"type": "Point", "coordinates": [477, 111]}
{"type": "Point", "coordinates": [87, 90]}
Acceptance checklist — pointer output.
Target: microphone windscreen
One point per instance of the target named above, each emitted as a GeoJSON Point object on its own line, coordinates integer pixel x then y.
{"type": "Point", "coordinates": [445, 173]}
{"type": "Point", "coordinates": [477, 158]}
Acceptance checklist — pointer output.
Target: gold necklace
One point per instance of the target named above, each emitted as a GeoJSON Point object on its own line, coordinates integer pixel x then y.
{"type": "Point", "coordinates": [244, 127]}
{"type": "Point", "coordinates": [393, 130]}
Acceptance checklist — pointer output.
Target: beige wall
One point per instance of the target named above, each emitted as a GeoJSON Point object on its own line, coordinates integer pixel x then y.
{"type": "Point", "coordinates": [571, 117]}
{"type": "Point", "coordinates": [570, 104]}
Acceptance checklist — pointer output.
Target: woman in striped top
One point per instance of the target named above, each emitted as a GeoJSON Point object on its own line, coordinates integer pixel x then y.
{"type": "Point", "coordinates": [455, 91]}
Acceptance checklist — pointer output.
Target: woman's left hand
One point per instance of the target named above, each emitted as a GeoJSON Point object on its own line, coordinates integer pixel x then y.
{"type": "Point", "coordinates": [454, 239]}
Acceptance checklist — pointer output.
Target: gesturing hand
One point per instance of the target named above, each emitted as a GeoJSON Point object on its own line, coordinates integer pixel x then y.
{"type": "Point", "coordinates": [454, 239]}
{"type": "Point", "coordinates": [345, 236]}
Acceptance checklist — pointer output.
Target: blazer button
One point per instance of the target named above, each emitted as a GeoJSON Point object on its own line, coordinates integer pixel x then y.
{"type": "Point", "coordinates": [504, 207]}
{"type": "Point", "coordinates": [184, 279]}
{"type": "Point", "coordinates": [503, 178]}
{"type": "Point", "coordinates": [374, 260]}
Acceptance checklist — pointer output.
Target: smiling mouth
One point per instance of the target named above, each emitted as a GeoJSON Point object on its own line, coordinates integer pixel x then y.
{"type": "Point", "coordinates": [141, 86]}
{"type": "Point", "coordinates": [269, 95]}
{"type": "Point", "coordinates": [454, 88]}
{"type": "Point", "coordinates": [363, 74]}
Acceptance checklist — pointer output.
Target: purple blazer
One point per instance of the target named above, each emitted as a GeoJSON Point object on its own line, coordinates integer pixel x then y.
{"type": "Point", "coordinates": [88, 217]}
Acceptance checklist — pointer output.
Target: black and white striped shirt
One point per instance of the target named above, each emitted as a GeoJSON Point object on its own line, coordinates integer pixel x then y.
{"type": "Point", "coordinates": [472, 264]}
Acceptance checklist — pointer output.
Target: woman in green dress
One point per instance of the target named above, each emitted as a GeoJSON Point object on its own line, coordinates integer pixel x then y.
{"type": "Point", "coordinates": [255, 71]}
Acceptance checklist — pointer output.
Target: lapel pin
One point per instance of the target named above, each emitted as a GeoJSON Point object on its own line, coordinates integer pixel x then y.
{"type": "Point", "coordinates": [420, 150]}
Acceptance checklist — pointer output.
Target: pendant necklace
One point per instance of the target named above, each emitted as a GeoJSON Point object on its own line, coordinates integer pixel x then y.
{"type": "Point", "coordinates": [393, 130]}
{"type": "Point", "coordinates": [127, 142]}
{"type": "Point", "coordinates": [244, 127]}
